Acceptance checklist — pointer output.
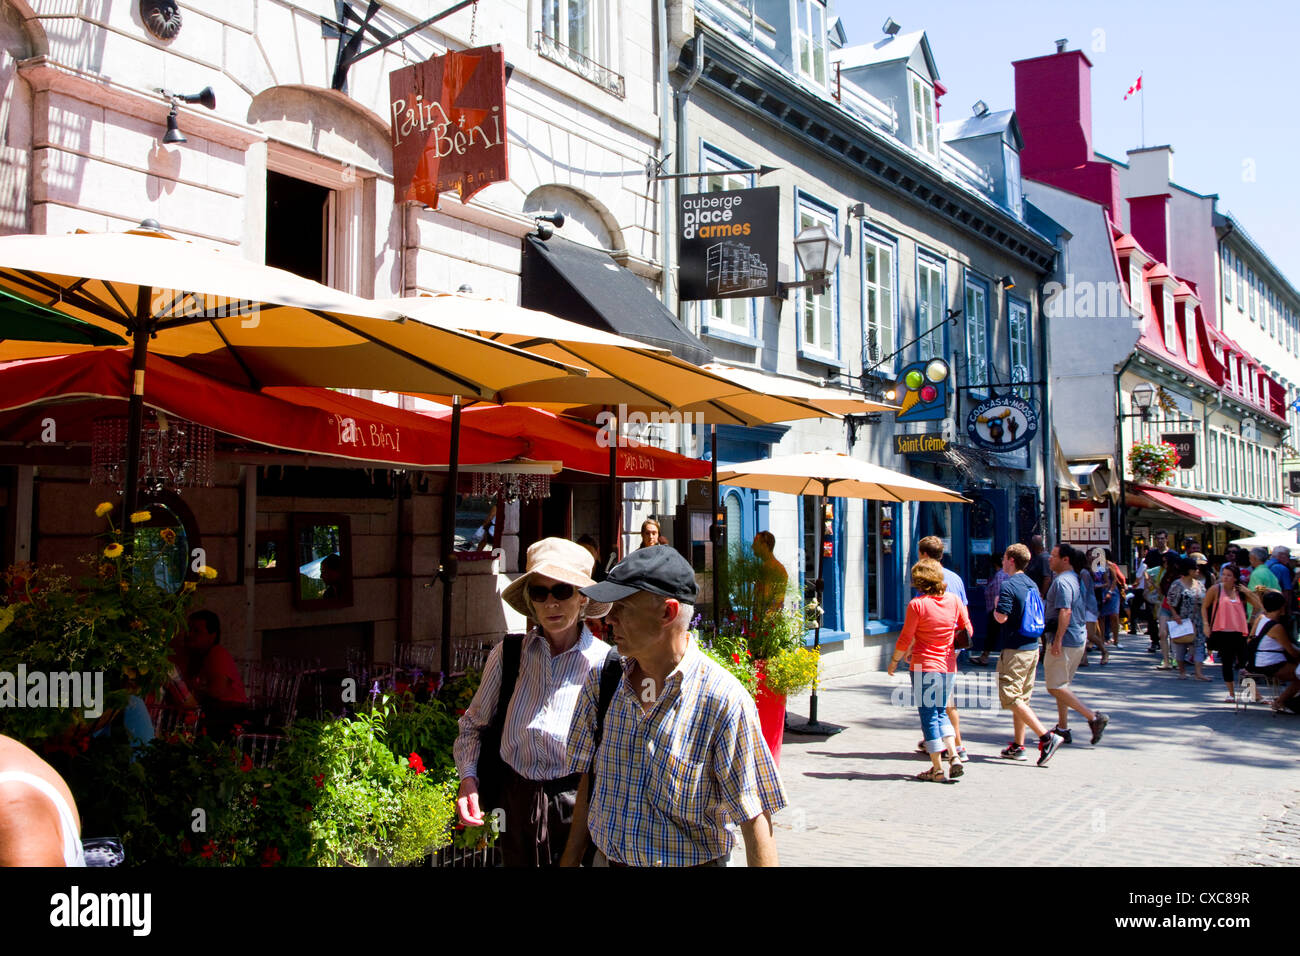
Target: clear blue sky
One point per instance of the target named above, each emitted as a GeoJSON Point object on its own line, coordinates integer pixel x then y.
{"type": "Point", "coordinates": [1217, 79]}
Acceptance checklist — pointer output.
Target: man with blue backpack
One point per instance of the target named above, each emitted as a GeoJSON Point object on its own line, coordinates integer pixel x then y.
{"type": "Point", "coordinates": [1020, 604]}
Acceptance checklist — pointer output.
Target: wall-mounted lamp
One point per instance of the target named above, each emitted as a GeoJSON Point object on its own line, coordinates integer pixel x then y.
{"type": "Point", "coordinates": [545, 221]}
{"type": "Point", "coordinates": [1007, 282]}
{"type": "Point", "coordinates": [859, 210]}
{"type": "Point", "coordinates": [1141, 399]}
{"type": "Point", "coordinates": [891, 26]}
{"type": "Point", "coordinates": [205, 97]}
{"type": "Point", "coordinates": [817, 249]}
{"type": "Point", "coordinates": [980, 108]}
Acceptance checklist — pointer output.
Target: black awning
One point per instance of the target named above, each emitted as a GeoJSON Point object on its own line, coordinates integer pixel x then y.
{"type": "Point", "coordinates": [585, 285]}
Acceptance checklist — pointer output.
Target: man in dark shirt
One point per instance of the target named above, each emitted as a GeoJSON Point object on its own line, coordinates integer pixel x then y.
{"type": "Point", "coordinates": [1039, 568]}
{"type": "Point", "coordinates": [1019, 658]}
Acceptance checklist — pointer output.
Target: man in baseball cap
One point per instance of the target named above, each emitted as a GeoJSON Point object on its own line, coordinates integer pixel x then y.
{"type": "Point", "coordinates": [667, 805]}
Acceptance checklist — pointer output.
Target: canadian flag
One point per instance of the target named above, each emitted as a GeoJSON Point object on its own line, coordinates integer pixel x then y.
{"type": "Point", "coordinates": [1135, 88]}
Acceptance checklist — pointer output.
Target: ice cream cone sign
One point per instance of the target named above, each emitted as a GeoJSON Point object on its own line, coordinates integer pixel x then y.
{"type": "Point", "coordinates": [923, 391]}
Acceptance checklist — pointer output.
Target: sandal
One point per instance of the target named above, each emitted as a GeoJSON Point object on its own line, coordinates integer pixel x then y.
{"type": "Point", "coordinates": [955, 769]}
{"type": "Point", "coordinates": [932, 776]}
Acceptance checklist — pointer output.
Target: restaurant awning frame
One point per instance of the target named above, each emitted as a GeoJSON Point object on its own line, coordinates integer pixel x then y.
{"type": "Point", "coordinates": [1166, 501]}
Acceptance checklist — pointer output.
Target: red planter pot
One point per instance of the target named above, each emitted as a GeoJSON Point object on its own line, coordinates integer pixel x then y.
{"type": "Point", "coordinates": [771, 714]}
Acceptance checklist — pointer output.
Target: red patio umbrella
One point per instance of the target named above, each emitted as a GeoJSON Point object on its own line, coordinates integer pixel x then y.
{"type": "Point", "coordinates": [76, 389]}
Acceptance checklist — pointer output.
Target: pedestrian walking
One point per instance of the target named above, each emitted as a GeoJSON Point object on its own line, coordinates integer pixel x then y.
{"type": "Point", "coordinates": [1223, 618]}
{"type": "Point", "coordinates": [932, 620]}
{"type": "Point", "coordinates": [1186, 597]}
{"type": "Point", "coordinates": [1020, 612]}
{"type": "Point", "coordinates": [992, 629]}
{"type": "Point", "coordinates": [521, 712]}
{"type": "Point", "coordinates": [1065, 616]}
{"type": "Point", "coordinates": [672, 756]}
{"type": "Point", "coordinates": [931, 547]}
{"type": "Point", "coordinates": [1039, 570]}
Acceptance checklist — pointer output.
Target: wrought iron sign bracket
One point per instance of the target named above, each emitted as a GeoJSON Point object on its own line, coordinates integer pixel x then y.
{"type": "Point", "coordinates": [350, 51]}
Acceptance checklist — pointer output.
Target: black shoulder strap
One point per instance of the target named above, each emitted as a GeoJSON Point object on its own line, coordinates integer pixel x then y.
{"type": "Point", "coordinates": [511, 651]}
{"type": "Point", "coordinates": [610, 675]}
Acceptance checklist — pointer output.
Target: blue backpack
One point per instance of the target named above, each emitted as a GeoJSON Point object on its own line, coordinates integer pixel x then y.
{"type": "Point", "coordinates": [1032, 617]}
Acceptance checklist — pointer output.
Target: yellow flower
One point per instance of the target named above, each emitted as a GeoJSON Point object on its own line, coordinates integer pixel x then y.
{"type": "Point", "coordinates": [103, 508]}
{"type": "Point", "coordinates": [140, 517]}
{"type": "Point", "coordinates": [209, 573]}
{"type": "Point", "coordinates": [113, 551]}
{"type": "Point", "coordinates": [188, 586]}
{"type": "Point", "coordinates": [168, 536]}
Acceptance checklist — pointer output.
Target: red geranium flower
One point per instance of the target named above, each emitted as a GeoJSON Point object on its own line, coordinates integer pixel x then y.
{"type": "Point", "coordinates": [270, 856]}
{"type": "Point", "coordinates": [206, 852]}
{"type": "Point", "coordinates": [255, 801]}
{"type": "Point", "coordinates": [319, 780]}
{"type": "Point", "coordinates": [735, 658]}
{"type": "Point", "coordinates": [247, 765]}
{"type": "Point", "coordinates": [417, 764]}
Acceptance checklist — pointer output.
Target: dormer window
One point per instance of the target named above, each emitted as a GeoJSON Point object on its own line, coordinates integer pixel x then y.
{"type": "Point", "coordinates": [1171, 324]}
{"type": "Point", "coordinates": [810, 39]}
{"type": "Point", "coordinates": [1135, 285]}
{"type": "Point", "coordinates": [923, 135]}
{"type": "Point", "coordinates": [1189, 327]}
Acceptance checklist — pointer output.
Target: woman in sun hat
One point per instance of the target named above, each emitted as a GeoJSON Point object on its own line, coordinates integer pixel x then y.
{"type": "Point", "coordinates": [526, 774]}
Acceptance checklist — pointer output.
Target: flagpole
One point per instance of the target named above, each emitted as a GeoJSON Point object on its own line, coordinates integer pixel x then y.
{"type": "Point", "coordinates": [1142, 100]}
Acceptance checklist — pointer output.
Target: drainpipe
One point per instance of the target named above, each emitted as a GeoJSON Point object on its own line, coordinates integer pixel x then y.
{"type": "Point", "coordinates": [1122, 544]}
{"type": "Point", "coordinates": [1052, 500]}
{"type": "Point", "coordinates": [681, 98]}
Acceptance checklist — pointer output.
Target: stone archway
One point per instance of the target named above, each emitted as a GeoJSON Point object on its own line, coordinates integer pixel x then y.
{"type": "Point", "coordinates": [587, 219]}
{"type": "Point", "coordinates": [325, 122]}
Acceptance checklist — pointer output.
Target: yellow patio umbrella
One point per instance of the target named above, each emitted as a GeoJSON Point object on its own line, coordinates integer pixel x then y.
{"type": "Point", "coordinates": [830, 475]}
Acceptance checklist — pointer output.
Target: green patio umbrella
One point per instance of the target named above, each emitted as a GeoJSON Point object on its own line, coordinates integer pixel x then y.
{"type": "Point", "coordinates": [25, 321]}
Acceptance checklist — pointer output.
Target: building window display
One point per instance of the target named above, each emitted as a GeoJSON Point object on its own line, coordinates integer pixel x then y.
{"type": "Point", "coordinates": [818, 310]}
{"type": "Point", "coordinates": [931, 315]}
{"type": "Point", "coordinates": [976, 318]}
{"type": "Point", "coordinates": [810, 38]}
{"type": "Point", "coordinates": [879, 303]}
{"type": "Point", "coordinates": [923, 137]}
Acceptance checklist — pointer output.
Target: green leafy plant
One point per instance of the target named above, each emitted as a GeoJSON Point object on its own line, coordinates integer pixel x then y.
{"type": "Point", "coordinates": [730, 651]}
{"type": "Point", "coordinates": [110, 621]}
{"type": "Point", "coordinates": [791, 671]}
{"type": "Point", "coordinates": [764, 611]}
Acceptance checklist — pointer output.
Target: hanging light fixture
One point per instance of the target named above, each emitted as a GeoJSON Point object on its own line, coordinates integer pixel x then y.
{"type": "Point", "coordinates": [817, 248]}
{"type": "Point", "coordinates": [174, 453]}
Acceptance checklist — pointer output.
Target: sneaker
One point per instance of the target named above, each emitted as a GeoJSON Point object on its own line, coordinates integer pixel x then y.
{"type": "Point", "coordinates": [1098, 725]}
{"type": "Point", "coordinates": [1048, 747]}
{"type": "Point", "coordinates": [1013, 752]}
{"type": "Point", "coordinates": [1065, 735]}
{"type": "Point", "coordinates": [962, 755]}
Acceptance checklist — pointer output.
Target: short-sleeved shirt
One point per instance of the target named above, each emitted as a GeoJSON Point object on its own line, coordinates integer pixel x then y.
{"type": "Point", "coordinates": [1065, 594]}
{"type": "Point", "coordinates": [955, 585]}
{"type": "Point", "coordinates": [219, 677]}
{"type": "Point", "coordinates": [930, 623]}
{"type": "Point", "coordinates": [1262, 577]}
{"type": "Point", "coordinates": [1011, 602]}
{"type": "Point", "coordinates": [1282, 573]}
{"type": "Point", "coordinates": [668, 783]}
{"type": "Point", "coordinates": [1039, 569]}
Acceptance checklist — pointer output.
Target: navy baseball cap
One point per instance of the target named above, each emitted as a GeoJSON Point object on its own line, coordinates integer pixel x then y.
{"type": "Point", "coordinates": [658, 569]}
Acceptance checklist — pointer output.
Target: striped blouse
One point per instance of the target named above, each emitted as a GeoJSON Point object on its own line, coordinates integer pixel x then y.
{"type": "Point", "coordinates": [537, 720]}
{"type": "Point", "coordinates": [668, 783]}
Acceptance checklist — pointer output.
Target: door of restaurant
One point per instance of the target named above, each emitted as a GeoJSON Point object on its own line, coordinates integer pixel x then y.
{"type": "Point", "coordinates": [988, 534]}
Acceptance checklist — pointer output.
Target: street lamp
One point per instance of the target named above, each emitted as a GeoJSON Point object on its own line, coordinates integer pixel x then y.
{"type": "Point", "coordinates": [817, 249]}
{"type": "Point", "coordinates": [1141, 398]}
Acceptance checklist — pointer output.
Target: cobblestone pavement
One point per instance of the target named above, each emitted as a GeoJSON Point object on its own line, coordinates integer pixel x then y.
{"type": "Point", "coordinates": [1180, 779]}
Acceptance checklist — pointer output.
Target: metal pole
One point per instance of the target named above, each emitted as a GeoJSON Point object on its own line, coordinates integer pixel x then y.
{"type": "Point", "coordinates": [447, 568]}
{"type": "Point", "coordinates": [814, 726]}
{"type": "Point", "coordinates": [135, 407]}
{"type": "Point", "coordinates": [615, 522]}
{"type": "Point", "coordinates": [719, 546]}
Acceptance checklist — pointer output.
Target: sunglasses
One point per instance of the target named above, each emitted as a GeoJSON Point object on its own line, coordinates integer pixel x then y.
{"type": "Point", "coordinates": [540, 592]}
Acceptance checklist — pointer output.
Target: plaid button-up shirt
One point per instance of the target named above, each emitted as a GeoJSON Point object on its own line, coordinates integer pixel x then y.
{"type": "Point", "coordinates": [668, 783]}
{"type": "Point", "coordinates": [539, 714]}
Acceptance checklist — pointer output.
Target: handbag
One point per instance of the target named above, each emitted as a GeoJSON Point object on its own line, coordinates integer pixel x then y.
{"type": "Point", "coordinates": [1182, 632]}
{"type": "Point", "coordinates": [961, 640]}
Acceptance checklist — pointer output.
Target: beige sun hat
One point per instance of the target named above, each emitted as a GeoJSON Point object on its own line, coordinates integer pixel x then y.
{"type": "Point", "coordinates": [561, 560]}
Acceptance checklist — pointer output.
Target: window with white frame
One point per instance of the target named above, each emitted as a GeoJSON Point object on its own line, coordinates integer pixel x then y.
{"type": "Point", "coordinates": [1212, 466]}
{"type": "Point", "coordinates": [923, 135]}
{"type": "Point", "coordinates": [570, 23]}
{"type": "Point", "coordinates": [735, 315]}
{"type": "Point", "coordinates": [976, 319]}
{"type": "Point", "coordinates": [1022, 362]}
{"type": "Point", "coordinates": [1171, 324]}
{"type": "Point", "coordinates": [931, 313]}
{"type": "Point", "coordinates": [818, 310]}
{"type": "Point", "coordinates": [1250, 284]}
{"type": "Point", "coordinates": [1189, 329]}
{"type": "Point", "coordinates": [810, 31]}
{"type": "Point", "coordinates": [1011, 166]}
{"type": "Point", "coordinates": [1241, 285]}
{"type": "Point", "coordinates": [1231, 478]}
{"type": "Point", "coordinates": [1135, 285]}
{"type": "Point", "coordinates": [879, 302]}
{"type": "Point", "coordinates": [1226, 270]}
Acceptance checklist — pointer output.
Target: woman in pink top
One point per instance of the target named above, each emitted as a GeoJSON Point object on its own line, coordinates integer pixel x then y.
{"type": "Point", "coordinates": [1223, 616]}
{"type": "Point", "coordinates": [932, 621]}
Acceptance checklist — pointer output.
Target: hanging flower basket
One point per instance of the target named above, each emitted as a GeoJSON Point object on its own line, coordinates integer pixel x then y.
{"type": "Point", "coordinates": [1152, 463]}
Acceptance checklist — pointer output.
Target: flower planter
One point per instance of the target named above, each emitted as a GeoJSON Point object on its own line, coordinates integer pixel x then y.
{"type": "Point", "coordinates": [771, 714]}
